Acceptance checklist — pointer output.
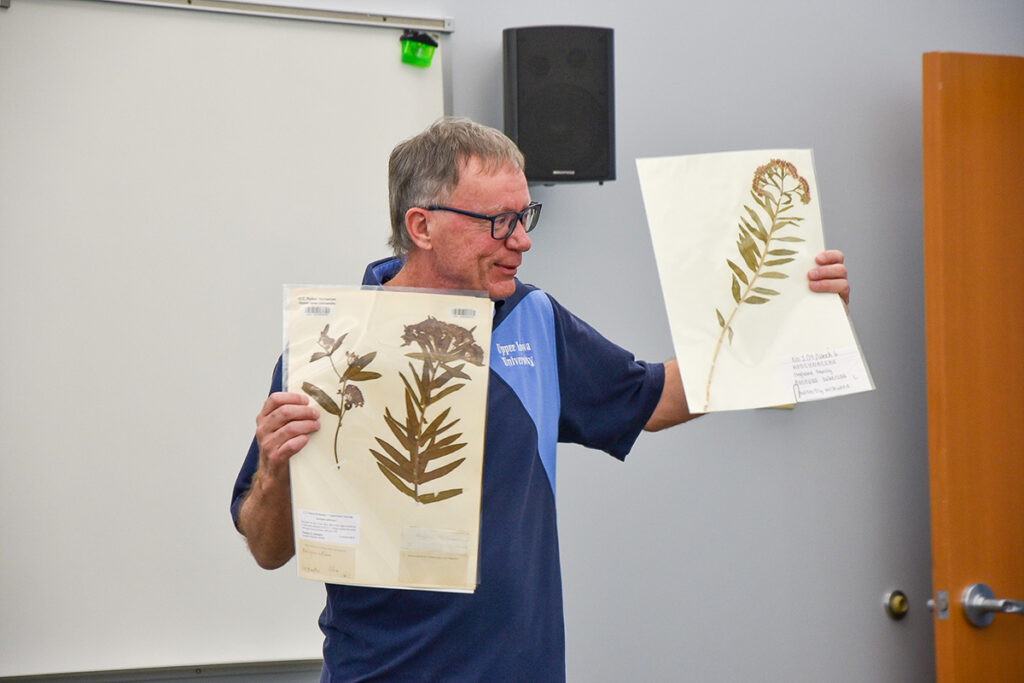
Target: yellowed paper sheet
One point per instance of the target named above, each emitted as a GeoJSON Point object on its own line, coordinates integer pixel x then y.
{"type": "Point", "coordinates": [387, 492]}
{"type": "Point", "coordinates": [734, 236]}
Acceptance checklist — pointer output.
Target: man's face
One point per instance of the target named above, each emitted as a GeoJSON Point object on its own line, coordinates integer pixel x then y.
{"type": "Point", "coordinates": [465, 254]}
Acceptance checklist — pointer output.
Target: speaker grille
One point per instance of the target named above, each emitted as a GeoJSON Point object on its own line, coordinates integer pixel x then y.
{"type": "Point", "coordinates": [559, 101]}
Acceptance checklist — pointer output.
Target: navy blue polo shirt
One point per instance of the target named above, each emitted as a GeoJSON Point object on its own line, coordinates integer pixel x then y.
{"type": "Point", "coordinates": [553, 378]}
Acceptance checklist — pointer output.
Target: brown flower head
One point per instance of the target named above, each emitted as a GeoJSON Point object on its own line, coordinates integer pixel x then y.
{"type": "Point", "coordinates": [804, 191]}
{"type": "Point", "coordinates": [446, 342]}
{"type": "Point", "coordinates": [352, 397]}
{"type": "Point", "coordinates": [775, 173]}
{"type": "Point", "coordinates": [786, 168]}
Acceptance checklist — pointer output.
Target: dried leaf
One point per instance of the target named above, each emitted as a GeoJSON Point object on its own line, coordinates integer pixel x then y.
{"type": "Point", "coordinates": [322, 398]}
{"type": "Point", "coordinates": [435, 428]}
{"type": "Point", "coordinates": [409, 388]}
{"type": "Point", "coordinates": [337, 343]}
{"type": "Point", "coordinates": [364, 360]}
{"type": "Point", "coordinates": [444, 392]}
{"type": "Point", "coordinates": [749, 254]}
{"type": "Point", "coordinates": [397, 482]}
{"type": "Point", "coordinates": [765, 290]}
{"type": "Point", "coordinates": [396, 455]}
{"type": "Point", "coordinates": [356, 366]}
{"type": "Point", "coordinates": [437, 497]}
{"type": "Point", "coordinates": [739, 271]}
{"type": "Point", "coordinates": [435, 452]}
{"type": "Point", "coordinates": [759, 234]}
{"type": "Point", "coordinates": [791, 239]}
{"type": "Point", "coordinates": [774, 274]}
{"type": "Point", "coordinates": [427, 384]}
{"type": "Point", "coordinates": [451, 438]}
{"type": "Point", "coordinates": [440, 471]}
{"type": "Point", "coordinates": [398, 429]}
{"type": "Point", "coordinates": [781, 252]}
{"type": "Point", "coordinates": [721, 320]}
{"type": "Point", "coordinates": [318, 355]}
{"type": "Point", "coordinates": [363, 376]}
{"type": "Point", "coordinates": [735, 289]}
{"type": "Point", "coordinates": [757, 221]}
{"type": "Point", "coordinates": [761, 201]}
{"type": "Point", "coordinates": [450, 373]}
{"type": "Point", "coordinates": [755, 300]}
{"type": "Point", "coordinates": [403, 472]}
{"type": "Point", "coordinates": [779, 261]}
{"type": "Point", "coordinates": [412, 420]}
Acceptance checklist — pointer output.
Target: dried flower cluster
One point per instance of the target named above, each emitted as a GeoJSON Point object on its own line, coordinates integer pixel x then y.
{"type": "Point", "coordinates": [774, 173]}
{"type": "Point", "coordinates": [443, 341]}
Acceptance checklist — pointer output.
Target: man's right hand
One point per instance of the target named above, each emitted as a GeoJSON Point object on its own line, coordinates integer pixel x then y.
{"type": "Point", "coordinates": [283, 427]}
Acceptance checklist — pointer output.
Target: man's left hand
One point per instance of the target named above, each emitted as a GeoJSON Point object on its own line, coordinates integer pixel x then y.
{"type": "Point", "coordinates": [830, 275]}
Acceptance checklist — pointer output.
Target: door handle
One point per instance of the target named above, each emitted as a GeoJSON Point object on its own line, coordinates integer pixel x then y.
{"type": "Point", "coordinates": [980, 605]}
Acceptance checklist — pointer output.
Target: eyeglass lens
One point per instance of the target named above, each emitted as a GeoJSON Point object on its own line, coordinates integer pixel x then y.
{"type": "Point", "coordinates": [505, 223]}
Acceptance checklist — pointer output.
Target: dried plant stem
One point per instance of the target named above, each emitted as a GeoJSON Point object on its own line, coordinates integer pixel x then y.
{"type": "Point", "coordinates": [337, 429]}
{"type": "Point", "coordinates": [714, 357]}
{"type": "Point", "coordinates": [429, 372]}
{"type": "Point", "coordinates": [776, 224]}
{"type": "Point", "coordinates": [341, 411]}
{"type": "Point", "coordinates": [429, 376]}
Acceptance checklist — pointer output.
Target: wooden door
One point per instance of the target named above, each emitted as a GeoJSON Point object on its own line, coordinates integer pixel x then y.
{"type": "Point", "coordinates": [974, 313]}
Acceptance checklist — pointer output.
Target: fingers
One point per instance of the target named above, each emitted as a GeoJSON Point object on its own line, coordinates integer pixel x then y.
{"type": "Point", "coordinates": [827, 273]}
{"type": "Point", "coordinates": [829, 256]}
{"type": "Point", "coordinates": [830, 275]}
{"type": "Point", "coordinates": [283, 427]}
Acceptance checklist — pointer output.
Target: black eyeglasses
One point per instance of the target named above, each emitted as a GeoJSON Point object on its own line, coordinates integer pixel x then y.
{"type": "Point", "coordinates": [502, 224]}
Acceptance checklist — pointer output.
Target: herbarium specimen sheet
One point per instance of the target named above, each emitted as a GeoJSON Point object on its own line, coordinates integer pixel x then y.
{"type": "Point", "coordinates": [734, 236]}
{"type": "Point", "coordinates": [387, 492]}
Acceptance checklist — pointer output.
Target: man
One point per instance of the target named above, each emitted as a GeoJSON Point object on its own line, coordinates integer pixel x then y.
{"type": "Point", "coordinates": [460, 214]}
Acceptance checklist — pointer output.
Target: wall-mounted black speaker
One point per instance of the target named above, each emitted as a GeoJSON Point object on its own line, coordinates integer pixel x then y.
{"type": "Point", "coordinates": [560, 101]}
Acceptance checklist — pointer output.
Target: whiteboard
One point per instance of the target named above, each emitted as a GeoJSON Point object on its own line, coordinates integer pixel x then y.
{"type": "Point", "coordinates": [162, 174]}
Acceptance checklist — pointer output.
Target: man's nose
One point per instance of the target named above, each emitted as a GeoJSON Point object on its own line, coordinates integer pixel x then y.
{"type": "Point", "coordinates": [518, 240]}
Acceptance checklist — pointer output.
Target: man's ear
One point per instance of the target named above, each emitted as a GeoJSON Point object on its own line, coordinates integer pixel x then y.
{"type": "Point", "coordinates": [417, 225]}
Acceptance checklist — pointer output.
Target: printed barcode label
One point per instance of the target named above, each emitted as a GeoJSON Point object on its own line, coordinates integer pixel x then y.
{"type": "Point", "coordinates": [463, 312]}
{"type": "Point", "coordinates": [318, 311]}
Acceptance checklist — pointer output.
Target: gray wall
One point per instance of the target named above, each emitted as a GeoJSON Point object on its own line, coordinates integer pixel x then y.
{"type": "Point", "coordinates": [753, 546]}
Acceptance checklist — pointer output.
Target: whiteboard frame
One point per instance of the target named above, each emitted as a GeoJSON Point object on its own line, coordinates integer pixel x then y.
{"type": "Point", "coordinates": [257, 9]}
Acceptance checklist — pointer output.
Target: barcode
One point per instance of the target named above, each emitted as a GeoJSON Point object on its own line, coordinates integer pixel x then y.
{"type": "Point", "coordinates": [317, 310]}
{"type": "Point", "coordinates": [463, 312]}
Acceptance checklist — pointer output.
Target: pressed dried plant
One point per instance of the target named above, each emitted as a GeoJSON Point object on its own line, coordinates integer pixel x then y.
{"type": "Point", "coordinates": [776, 190]}
{"type": "Point", "coordinates": [349, 395]}
{"type": "Point", "coordinates": [423, 438]}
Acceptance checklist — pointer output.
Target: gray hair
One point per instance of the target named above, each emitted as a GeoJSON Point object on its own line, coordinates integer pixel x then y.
{"type": "Point", "coordinates": [424, 169]}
